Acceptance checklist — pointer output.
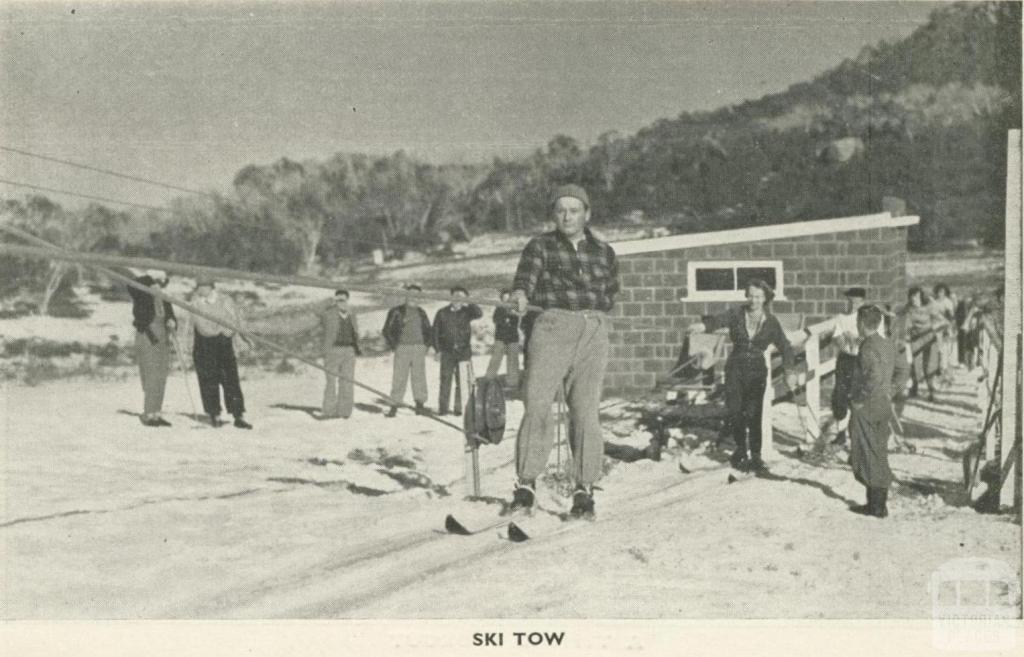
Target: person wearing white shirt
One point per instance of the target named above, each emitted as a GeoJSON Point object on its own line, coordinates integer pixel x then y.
{"type": "Point", "coordinates": [213, 353]}
{"type": "Point", "coordinates": [847, 340]}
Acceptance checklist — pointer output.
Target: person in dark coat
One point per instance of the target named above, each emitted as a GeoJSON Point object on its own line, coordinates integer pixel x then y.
{"type": "Point", "coordinates": [408, 333]}
{"type": "Point", "coordinates": [340, 347]}
{"type": "Point", "coordinates": [880, 373]}
{"type": "Point", "coordinates": [452, 334]}
{"type": "Point", "coordinates": [154, 324]}
{"type": "Point", "coordinates": [847, 340]}
{"type": "Point", "coordinates": [752, 329]}
{"type": "Point", "coordinates": [506, 343]}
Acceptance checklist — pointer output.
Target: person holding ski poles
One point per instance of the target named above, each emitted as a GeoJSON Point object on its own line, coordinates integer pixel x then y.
{"type": "Point", "coordinates": [154, 324]}
{"type": "Point", "coordinates": [752, 329]}
{"type": "Point", "coordinates": [574, 276]}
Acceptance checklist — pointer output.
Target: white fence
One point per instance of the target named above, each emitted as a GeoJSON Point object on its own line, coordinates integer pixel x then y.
{"type": "Point", "coordinates": [811, 378]}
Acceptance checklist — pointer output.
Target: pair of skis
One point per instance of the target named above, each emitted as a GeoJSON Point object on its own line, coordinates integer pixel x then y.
{"type": "Point", "coordinates": [513, 531]}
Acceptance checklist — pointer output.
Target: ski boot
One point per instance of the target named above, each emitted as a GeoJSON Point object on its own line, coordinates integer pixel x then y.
{"type": "Point", "coordinates": [756, 465]}
{"type": "Point", "coordinates": [739, 461]}
{"type": "Point", "coordinates": [523, 498]}
{"type": "Point", "coordinates": [582, 503]}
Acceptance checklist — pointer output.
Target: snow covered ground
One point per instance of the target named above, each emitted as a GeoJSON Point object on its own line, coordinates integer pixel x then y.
{"type": "Point", "coordinates": [102, 518]}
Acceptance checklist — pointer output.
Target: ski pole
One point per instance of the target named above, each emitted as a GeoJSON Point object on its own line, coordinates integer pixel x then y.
{"type": "Point", "coordinates": [184, 374]}
{"type": "Point", "coordinates": [898, 435]}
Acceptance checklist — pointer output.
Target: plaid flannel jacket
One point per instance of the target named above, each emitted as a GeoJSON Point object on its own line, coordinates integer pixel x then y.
{"type": "Point", "coordinates": [554, 275]}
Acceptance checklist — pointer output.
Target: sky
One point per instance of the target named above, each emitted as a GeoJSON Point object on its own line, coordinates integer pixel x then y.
{"type": "Point", "coordinates": [189, 93]}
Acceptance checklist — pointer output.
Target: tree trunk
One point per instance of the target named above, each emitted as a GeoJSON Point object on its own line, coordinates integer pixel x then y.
{"type": "Point", "coordinates": [57, 271]}
{"type": "Point", "coordinates": [312, 236]}
{"type": "Point", "coordinates": [425, 223]}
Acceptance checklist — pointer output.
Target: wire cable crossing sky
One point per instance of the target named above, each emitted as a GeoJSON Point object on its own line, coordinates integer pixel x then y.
{"type": "Point", "coordinates": [111, 84]}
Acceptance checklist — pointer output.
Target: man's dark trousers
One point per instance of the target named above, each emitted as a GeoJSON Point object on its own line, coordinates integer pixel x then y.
{"type": "Point", "coordinates": [450, 367]}
{"type": "Point", "coordinates": [216, 366]}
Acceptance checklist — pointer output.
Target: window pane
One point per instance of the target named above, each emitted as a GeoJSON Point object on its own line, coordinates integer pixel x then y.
{"type": "Point", "coordinates": [747, 274]}
{"type": "Point", "coordinates": [715, 279]}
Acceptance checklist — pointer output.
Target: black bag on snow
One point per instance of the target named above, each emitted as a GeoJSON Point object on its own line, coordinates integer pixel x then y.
{"type": "Point", "coordinates": [485, 411]}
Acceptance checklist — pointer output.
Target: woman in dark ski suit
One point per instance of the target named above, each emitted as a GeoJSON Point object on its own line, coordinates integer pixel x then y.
{"type": "Point", "coordinates": [752, 329]}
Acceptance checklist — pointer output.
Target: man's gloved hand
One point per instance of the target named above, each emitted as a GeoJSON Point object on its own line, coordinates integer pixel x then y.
{"type": "Point", "coordinates": [152, 337]}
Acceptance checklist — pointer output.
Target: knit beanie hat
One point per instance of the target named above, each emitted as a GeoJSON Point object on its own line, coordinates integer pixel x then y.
{"type": "Point", "coordinates": [572, 191]}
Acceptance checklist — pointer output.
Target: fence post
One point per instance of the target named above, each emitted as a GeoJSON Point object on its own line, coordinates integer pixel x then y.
{"type": "Point", "coordinates": [1011, 493]}
{"type": "Point", "coordinates": [767, 443]}
{"type": "Point", "coordinates": [812, 348]}
{"type": "Point", "coordinates": [990, 358]}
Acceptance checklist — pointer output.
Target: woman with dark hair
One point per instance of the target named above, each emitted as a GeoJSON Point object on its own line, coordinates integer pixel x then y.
{"type": "Point", "coordinates": [919, 320]}
{"type": "Point", "coordinates": [752, 329]}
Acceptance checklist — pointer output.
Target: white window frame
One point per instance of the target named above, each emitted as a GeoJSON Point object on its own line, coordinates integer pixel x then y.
{"type": "Point", "coordinates": [693, 294]}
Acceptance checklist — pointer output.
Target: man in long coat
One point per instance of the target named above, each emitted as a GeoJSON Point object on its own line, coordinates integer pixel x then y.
{"type": "Point", "coordinates": [878, 376]}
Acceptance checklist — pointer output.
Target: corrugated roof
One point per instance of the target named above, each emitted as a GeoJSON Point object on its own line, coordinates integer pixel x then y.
{"type": "Point", "coordinates": [764, 233]}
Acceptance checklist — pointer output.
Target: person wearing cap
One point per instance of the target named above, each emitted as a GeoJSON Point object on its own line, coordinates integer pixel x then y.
{"type": "Point", "coordinates": [452, 334]}
{"type": "Point", "coordinates": [408, 333]}
{"type": "Point", "coordinates": [340, 346]}
{"type": "Point", "coordinates": [574, 277]}
{"type": "Point", "coordinates": [213, 353]}
{"type": "Point", "coordinates": [878, 373]}
{"type": "Point", "coordinates": [154, 324]}
{"type": "Point", "coordinates": [506, 342]}
{"type": "Point", "coordinates": [843, 330]}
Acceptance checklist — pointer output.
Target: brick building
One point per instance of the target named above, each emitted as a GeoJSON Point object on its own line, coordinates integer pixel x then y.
{"type": "Point", "coordinates": [670, 282]}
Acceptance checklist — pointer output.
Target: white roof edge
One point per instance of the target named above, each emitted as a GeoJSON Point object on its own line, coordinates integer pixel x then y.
{"type": "Point", "coordinates": [765, 233]}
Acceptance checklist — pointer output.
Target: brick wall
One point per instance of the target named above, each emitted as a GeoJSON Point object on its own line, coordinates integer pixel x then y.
{"type": "Point", "coordinates": [649, 321]}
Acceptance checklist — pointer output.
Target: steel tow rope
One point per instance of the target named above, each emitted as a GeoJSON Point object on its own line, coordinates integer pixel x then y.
{"type": "Point", "coordinates": [159, 294]}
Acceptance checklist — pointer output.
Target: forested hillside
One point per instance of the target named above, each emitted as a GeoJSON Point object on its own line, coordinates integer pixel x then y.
{"type": "Point", "coordinates": [923, 119]}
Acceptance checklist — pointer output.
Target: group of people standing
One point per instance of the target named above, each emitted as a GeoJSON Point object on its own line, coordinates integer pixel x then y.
{"type": "Point", "coordinates": [565, 284]}
{"type": "Point", "coordinates": [953, 324]}
{"type": "Point", "coordinates": [410, 335]}
{"type": "Point", "coordinates": [213, 351]}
